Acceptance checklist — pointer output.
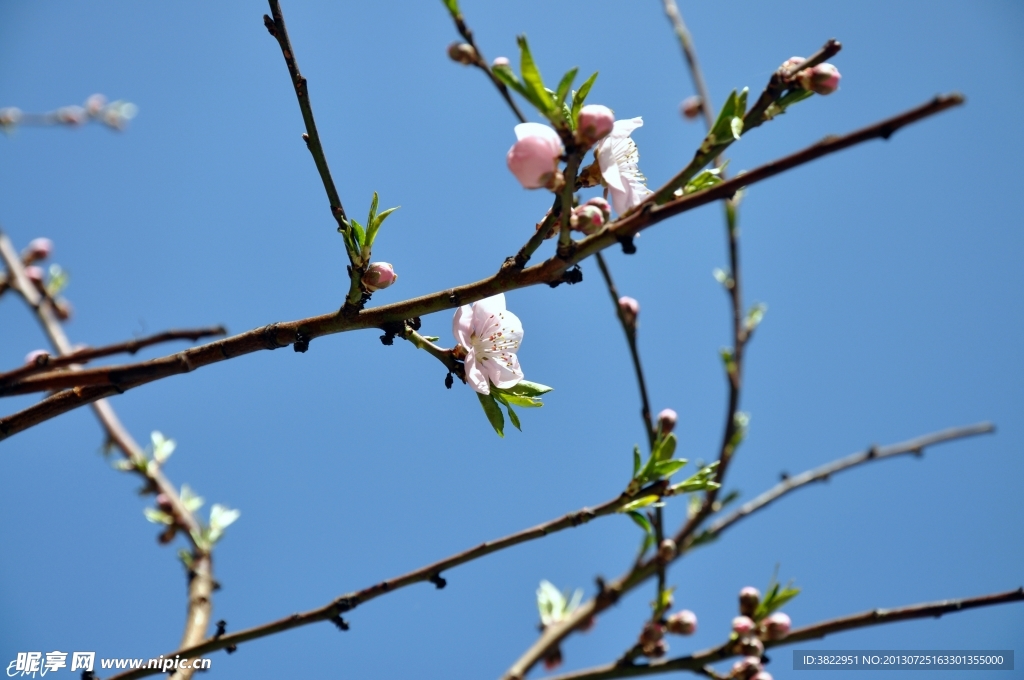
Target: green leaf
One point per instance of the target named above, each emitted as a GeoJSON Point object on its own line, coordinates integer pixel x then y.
{"type": "Point", "coordinates": [186, 558]}
{"type": "Point", "coordinates": [636, 461]}
{"type": "Point", "coordinates": [642, 502]}
{"type": "Point", "coordinates": [58, 280]}
{"type": "Point", "coordinates": [699, 481]}
{"type": "Point", "coordinates": [453, 6]}
{"type": "Point", "coordinates": [374, 226]}
{"type": "Point", "coordinates": [536, 92]}
{"type": "Point", "coordinates": [493, 412]}
{"type": "Point", "coordinates": [580, 96]}
{"type": "Point", "coordinates": [641, 521]}
{"type": "Point", "coordinates": [667, 468]}
{"type": "Point", "coordinates": [775, 597]}
{"type": "Point", "coordinates": [664, 448]}
{"type": "Point", "coordinates": [704, 180]}
{"type": "Point", "coordinates": [158, 516]}
{"type": "Point", "coordinates": [513, 417]}
{"type": "Point", "coordinates": [431, 338]}
{"type": "Point", "coordinates": [564, 85]}
{"type": "Point", "coordinates": [755, 316]}
{"type": "Point", "coordinates": [358, 234]}
{"type": "Point", "coordinates": [526, 388]}
{"type": "Point", "coordinates": [505, 75]}
{"type": "Point", "coordinates": [373, 210]}
{"type": "Point", "coordinates": [162, 447]}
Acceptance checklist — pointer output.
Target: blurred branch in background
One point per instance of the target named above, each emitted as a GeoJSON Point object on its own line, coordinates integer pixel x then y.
{"type": "Point", "coordinates": [115, 115]}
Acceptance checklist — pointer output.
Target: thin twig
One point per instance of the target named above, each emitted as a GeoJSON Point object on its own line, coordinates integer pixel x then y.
{"type": "Point", "coordinates": [84, 355]}
{"type": "Point", "coordinates": [480, 63]}
{"type": "Point", "coordinates": [686, 42]}
{"type": "Point", "coordinates": [201, 574]}
{"type": "Point", "coordinates": [113, 380]}
{"type": "Point", "coordinates": [611, 592]}
{"type": "Point", "coordinates": [430, 573]}
{"type": "Point", "coordinates": [696, 662]}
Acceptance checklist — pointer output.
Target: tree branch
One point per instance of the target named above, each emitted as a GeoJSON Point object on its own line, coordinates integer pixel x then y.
{"type": "Point", "coordinates": [430, 573]}
{"type": "Point", "coordinates": [611, 592]}
{"type": "Point", "coordinates": [201, 581]}
{"type": "Point", "coordinates": [81, 356]}
{"type": "Point", "coordinates": [696, 662]}
{"type": "Point", "coordinates": [686, 43]}
{"type": "Point", "coordinates": [113, 380]}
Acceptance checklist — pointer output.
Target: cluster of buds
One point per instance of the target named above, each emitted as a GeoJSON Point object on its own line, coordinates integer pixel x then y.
{"type": "Point", "coordinates": [821, 79]}
{"type": "Point", "coordinates": [752, 634]}
{"type": "Point", "coordinates": [652, 640]}
{"type": "Point", "coordinates": [590, 217]}
{"type": "Point", "coordinates": [378, 275]}
{"type": "Point", "coordinates": [114, 115]}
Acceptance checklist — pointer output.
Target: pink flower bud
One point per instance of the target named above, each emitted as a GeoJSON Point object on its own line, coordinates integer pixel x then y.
{"type": "Point", "coordinates": [777, 626]}
{"type": "Point", "coordinates": [34, 274]}
{"type": "Point", "coordinates": [667, 550]}
{"type": "Point", "coordinates": [10, 116]}
{"type": "Point", "coordinates": [379, 275]}
{"type": "Point", "coordinates": [667, 420]}
{"type": "Point", "coordinates": [746, 668]}
{"type": "Point", "coordinates": [791, 63]}
{"type": "Point", "coordinates": [595, 122]}
{"type": "Point", "coordinates": [750, 597]}
{"type": "Point", "coordinates": [71, 115]}
{"type": "Point", "coordinates": [682, 623]}
{"type": "Point", "coordinates": [750, 646]}
{"type": "Point", "coordinates": [500, 62]}
{"type": "Point", "coordinates": [94, 104]}
{"type": "Point", "coordinates": [163, 501]}
{"type": "Point", "coordinates": [462, 53]}
{"type": "Point", "coordinates": [742, 625]}
{"type": "Point", "coordinates": [37, 357]}
{"type": "Point", "coordinates": [39, 249]}
{"type": "Point", "coordinates": [691, 107]}
{"type": "Point", "coordinates": [763, 675]}
{"type": "Point", "coordinates": [605, 207]}
{"type": "Point", "coordinates": [534, 158]}
{"type": "Point", "coordinates": [630, 309]}
{"type": "Point", "coordinates": [587, 218]}
{"type": "Point", "coordinates": [822, 79]}
{"type": "Point", "coordinates": [64, 309]}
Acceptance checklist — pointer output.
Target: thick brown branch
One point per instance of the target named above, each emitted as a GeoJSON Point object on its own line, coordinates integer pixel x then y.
{"type": "Point", "coordinates": [430, 573]}
{"type": "Point", "coordinates": [84, 355]}
{"type": "Point", "coordinates": [121, 378]}
{"type": "Point", "coordinates": [696, 662]}
{"type": "Point", "coordinates": [554, 634]}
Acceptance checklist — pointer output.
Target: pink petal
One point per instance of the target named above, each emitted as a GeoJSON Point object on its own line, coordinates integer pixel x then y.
{"type": "Point", "coordinates": [475, 378]}
{"type": "Point", "coordinates": [462, 325]}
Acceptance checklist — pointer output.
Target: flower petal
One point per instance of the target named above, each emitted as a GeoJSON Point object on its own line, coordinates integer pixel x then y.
{"type": "Point", "coordinates": [609, 168]}
{"type": "Point", "coordinates": [503, 369]}
{"type": "Point", "coordinates": [538, 130]}
{"type": "Point", "coordinates": [462, 326]}
{"type": "Point", "coordinates": [475, 378]}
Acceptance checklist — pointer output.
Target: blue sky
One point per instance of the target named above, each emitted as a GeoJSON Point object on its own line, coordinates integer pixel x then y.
{"type": "Point", "coordinates": [891, 273]}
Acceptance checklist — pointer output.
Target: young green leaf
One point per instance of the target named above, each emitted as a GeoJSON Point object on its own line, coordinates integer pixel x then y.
{"type": "Point", "coordinates": [641, 502]}
{"type": "Point", "coordinates": [526, 388]}
{"type": "Point", "coordinates": [565, 84]}
{"type": "Point", "coordinates": [534, 84]}
{"type": "Point", "coordinates": [664, 448]}
{"type": "Point", "coordinates": [493, 412]}
{"type": "Point", "coordinates": [358, 235]}
{"type": "Point", "coordinates": [641, 521]}
{"type": "Point", "coordinates": [453, 6]}
{"type": "Point", "coordinates": [580, 96]}
{"type": "Point", "coordinates": [513, 417]}
{"type": "Point", "coordinates": [667, 468]}
{"type": "Point", "coordinates": [636, 461]}
{"type": "Point", "coordinates": [373, 210]}
{"type": "Point", "coordinates": [158, 516]}
{"type": "Point", "coordinates": [374, 226]}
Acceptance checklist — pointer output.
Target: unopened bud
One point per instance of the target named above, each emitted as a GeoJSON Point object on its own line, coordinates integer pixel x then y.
{"type": "Point", "coordinates": [651, 633]}
{"type": "Point", "coordinates": [691, 107]}
{"type": "Point", "coordinates": [587, 218]}
{"type": "Point", "coordinates": [790, 64]}
{"type": "Point", "coordinates": [683, 622]}
{"type": "Point", "coordinates": [34, 274]}
{"type": "Point", "coordinates": [750, 597]}
{"type": "Point", "coordinates": [71, 115]}
{"type": "Point", "coordinates": [553, 659]}
{"type": "Point", "coordinates": [534, 158]}
{"type": "Point", "coordinates": [776, 626]}
{"type": "Point", "coordinates": [500, 62]}
{"type": "Point", "coordinates": [595, 122]}
{"type": "Point", "coordinates": [746, 668]}
{"type": "Point", "coordinates": [630, 309]}
{"type": "Point", "coordinates": [38, 249]}
{"type": "Point", "coordinates": [462, 53]}
{"type": "Point", "coordinates": [10, 116]}
{"type": "Point", "coordinates": [822, 79]}
{"type": "Point", "coordinates": [601, 203]}
{"type": "Point", "coordinates": [64, 309]}
{"type": "Point", "coordinates": [94, 104]}
{"type": "Point", "coordinates": [667, 420]}
{"type": "Point", "coordinates": [37, 357]}
{"type": "Point", "coordinates": [742, 625]}
{"type": "Point", "coordinates": [163, 501]}
{"type": "Point", "coordinates": [655, 650]}
{"type": "Point", "coordinates": [379, 275]}
{"type": "Point", "coordinates": [750, 646]}
{"type": "Point", "coordinates": [667, 550]}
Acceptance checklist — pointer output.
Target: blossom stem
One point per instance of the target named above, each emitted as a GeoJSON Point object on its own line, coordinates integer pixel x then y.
{"type": "Point", "coordinates": [445, 356]}
{"type": "Point", "coordinates": [572, 166]}
{"type": "Point", "coordinates": [527, 251]}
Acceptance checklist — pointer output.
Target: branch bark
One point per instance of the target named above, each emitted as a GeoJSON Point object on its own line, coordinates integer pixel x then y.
{"type": "Point", "coordinates": [100, 383]}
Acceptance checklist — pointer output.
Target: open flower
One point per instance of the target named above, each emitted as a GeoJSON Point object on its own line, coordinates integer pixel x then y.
{"type": "Point", "coordinates": [534, 158]}
{"type": "Point", "coordinates": [617, 156]}
{"type": "Point", "coordinates": [491, 336]}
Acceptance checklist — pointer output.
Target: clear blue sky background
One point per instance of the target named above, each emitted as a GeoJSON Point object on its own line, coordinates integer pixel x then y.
{"type": "Point", "coordinates": [892, 274]}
